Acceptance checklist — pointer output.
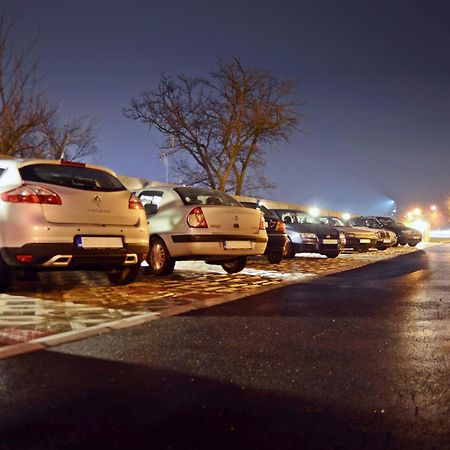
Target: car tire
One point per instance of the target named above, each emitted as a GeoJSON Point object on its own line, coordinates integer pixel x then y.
{"type": "Point", "coordinates": [124, 275]}
{"type": "Point", "coordinates": [412, 244]}
{"type": "Point", "coordinates": [332, 254]}
{"type": "Point", "coordinates": [381, 247]}
{"type": "Point", "coordinates": [5, 275]}
{"type": "Point", "coordinates": [235, 265]}
{"type": "Point", "coordinates": [289, 251]}
{"type": "Point", "coordinates": [362, 250]}
{"type": "Point", "coordinates": [396, 244]}
{"type": "Point", "coordinates": [159, 259]}
{"type": "Point", "coordinates": [275, 258]}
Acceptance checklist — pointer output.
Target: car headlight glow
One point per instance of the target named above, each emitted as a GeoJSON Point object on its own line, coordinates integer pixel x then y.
{"type": "Point", "coordinates": [308, 235]}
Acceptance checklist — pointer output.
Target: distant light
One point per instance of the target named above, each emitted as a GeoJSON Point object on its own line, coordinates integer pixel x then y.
{"type": "Point", "coordinates": [410, 215]}
{"type": "Point", "coordinates": [433, 208]}
{"type": "Point", "coordinates": [346, 216]}
{"type": "Point", "coordinates": [314, 211]}
{"type": "Point", "coordinates": [440, 233]}
{"type": "Point", "coordinates": [417, 211]}
{"type": "Point", "coordinates": [420, 225]}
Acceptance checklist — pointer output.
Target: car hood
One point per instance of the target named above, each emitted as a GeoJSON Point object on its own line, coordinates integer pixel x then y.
{"type": "Point", "coordinates": [319, 229]}
{"type": "Point", "coordinates": [359, 232]}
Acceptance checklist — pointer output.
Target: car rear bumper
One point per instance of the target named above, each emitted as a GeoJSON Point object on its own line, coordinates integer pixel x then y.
{"type": "Point", "coordinates": [61, 256]}
{"type": "Point", "coordinates": [206, 245]}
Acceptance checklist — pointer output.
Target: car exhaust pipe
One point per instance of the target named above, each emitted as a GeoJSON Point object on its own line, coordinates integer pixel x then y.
{"type": "Point", "coordinates": [131, 259]}
{"type": "Point", "coordinates": [58, 261]}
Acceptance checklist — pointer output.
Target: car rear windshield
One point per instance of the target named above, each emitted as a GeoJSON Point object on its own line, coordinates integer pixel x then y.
{"type": "Point", "coordinates": [76, 177]}
{"type": "Point", "coordinates": [204, 196]}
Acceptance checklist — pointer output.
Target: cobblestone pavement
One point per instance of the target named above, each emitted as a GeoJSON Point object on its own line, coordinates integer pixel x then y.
{"type": "Point", "coordinates": [55, 302]}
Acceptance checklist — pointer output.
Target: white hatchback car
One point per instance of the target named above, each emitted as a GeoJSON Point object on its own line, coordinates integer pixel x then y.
{"type": "Point", "coordinates": [190, 223]}
{"type": "Point", "coordinates": [68, 215]}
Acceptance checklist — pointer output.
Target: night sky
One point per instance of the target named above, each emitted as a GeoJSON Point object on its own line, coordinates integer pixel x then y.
{"type": "Point", "coordinates": [375, 76]}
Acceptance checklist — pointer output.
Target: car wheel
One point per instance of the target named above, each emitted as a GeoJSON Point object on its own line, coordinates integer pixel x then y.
{"type": "Point", "coordinates": [159, 259]}
{"type": "Point", "coordinates": [396, 244]}
{"type": "Point", "coordinates": [289, 252]}
{"type": "Point", "coordinates": [362, 250]}
{"type": "Point", "coordinates": [331, 254]}
{"type": "Point", "coordinates": [275, 258]}
{"type": "Point", "coordinates": [235, 265]}
{"type": "Point", "coordinates": [124, 275]}
{"type": "Point", "coordinates": [5, 275]}
{"type": "Point", "coordinates": [381, 247]}
{"type": "Point", "coordinates": [412, 244]}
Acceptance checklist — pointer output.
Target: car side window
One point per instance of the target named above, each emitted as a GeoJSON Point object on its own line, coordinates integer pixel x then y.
{"type": "Point", "coordinates": [151, 201]}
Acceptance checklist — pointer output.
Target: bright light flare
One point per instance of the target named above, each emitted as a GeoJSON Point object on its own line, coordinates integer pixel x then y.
{"type": "Point", "coordinates": [346, 216]}
{"type": "Point", "coordinates": [420, 225]}
{"type": "Point", "coordinates": [314, 211]}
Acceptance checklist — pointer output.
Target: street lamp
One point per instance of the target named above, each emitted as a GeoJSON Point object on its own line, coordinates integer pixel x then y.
{"type": "Point", "coordinates": [394, 208]}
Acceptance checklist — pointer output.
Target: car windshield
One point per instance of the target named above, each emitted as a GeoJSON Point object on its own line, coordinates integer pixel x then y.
{"type": "Point", "coordinates": [77, 177]}
{"type": "Point", "coordinates": [374, 223]}
{"type": "Point", "coordinates": [267, 213]}
{"type": "Point", "coordinates": [387, 221]}
{"type": "Point", "coordinates": [295, 216]}
{"type": "Point", "coordinates": [332, 221]}
{"type": "Point", "coordinates": [204, 196]}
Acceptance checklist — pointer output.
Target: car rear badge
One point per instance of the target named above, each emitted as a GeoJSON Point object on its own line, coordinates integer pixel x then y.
{"type": "Point", "coordinates": [97, 200]}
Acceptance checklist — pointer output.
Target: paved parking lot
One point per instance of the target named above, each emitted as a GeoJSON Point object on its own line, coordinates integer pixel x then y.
{"type": "Point", "coordinates": [57, 302]}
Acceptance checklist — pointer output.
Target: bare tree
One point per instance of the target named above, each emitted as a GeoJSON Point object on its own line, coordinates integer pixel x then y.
{"type": "Point", "coordinates": [30, 126]}
{"type": "Point", "coordinates": [70, 140]}
{"type": "Point", "coordinates": [218, 127]}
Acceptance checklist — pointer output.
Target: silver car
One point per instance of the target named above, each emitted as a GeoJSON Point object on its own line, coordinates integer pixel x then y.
{"type": "Point", "coordinates": [68, 215]}
{"type": "Point", "coordinates": [190, 223]}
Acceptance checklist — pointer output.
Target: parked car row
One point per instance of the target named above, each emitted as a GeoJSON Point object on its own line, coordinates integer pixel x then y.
{"type": "Point", "coordinates": [67, 215]}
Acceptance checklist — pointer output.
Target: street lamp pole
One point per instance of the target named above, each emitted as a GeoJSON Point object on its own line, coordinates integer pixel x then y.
{"type": "Point", "coordinates": [165, 160]}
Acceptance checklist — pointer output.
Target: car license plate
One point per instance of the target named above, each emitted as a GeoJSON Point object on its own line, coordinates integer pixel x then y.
{"type": "Point", "coordinates": [100, 242]}
{"type": "Point", "coordinates": [330, 241]}
{"type": "Point", "coordinates": [364, 241]}
{"type": "Point", "coordinates": [386, 241]}
{"type": "Point", "coordinates": [237, 245]}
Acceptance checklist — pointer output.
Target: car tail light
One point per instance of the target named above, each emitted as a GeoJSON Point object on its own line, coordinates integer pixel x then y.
{"type": "Point", "coordinates": [134, 203]}
{"type": "Point", "coordinates": [262, 222]}
{"type": "Point", "coordinates": [28, 193]}
{"type": "Point", "coordinates": [280, 226]}
{"type": "Point", "coordinates": [196, 218]}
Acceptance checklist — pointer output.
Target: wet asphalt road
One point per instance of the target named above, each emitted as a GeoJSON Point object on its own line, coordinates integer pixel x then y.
{"type": "Point", "coordinates": [357, 360]}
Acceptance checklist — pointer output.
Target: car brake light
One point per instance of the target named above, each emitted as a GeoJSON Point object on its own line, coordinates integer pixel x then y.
{"type": "Point", "coordinates": [280, 226]}
{"type": "Point", "coordinates": [28, 193]}
{"type": "Point", "coordinates": [72, 163]}
{"type": "Point", "coordinates": [134, 203]}
{"type": "Point", "coordinates": [196, 218]}
{"type": "Point", "coordinates": [262, 223]}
